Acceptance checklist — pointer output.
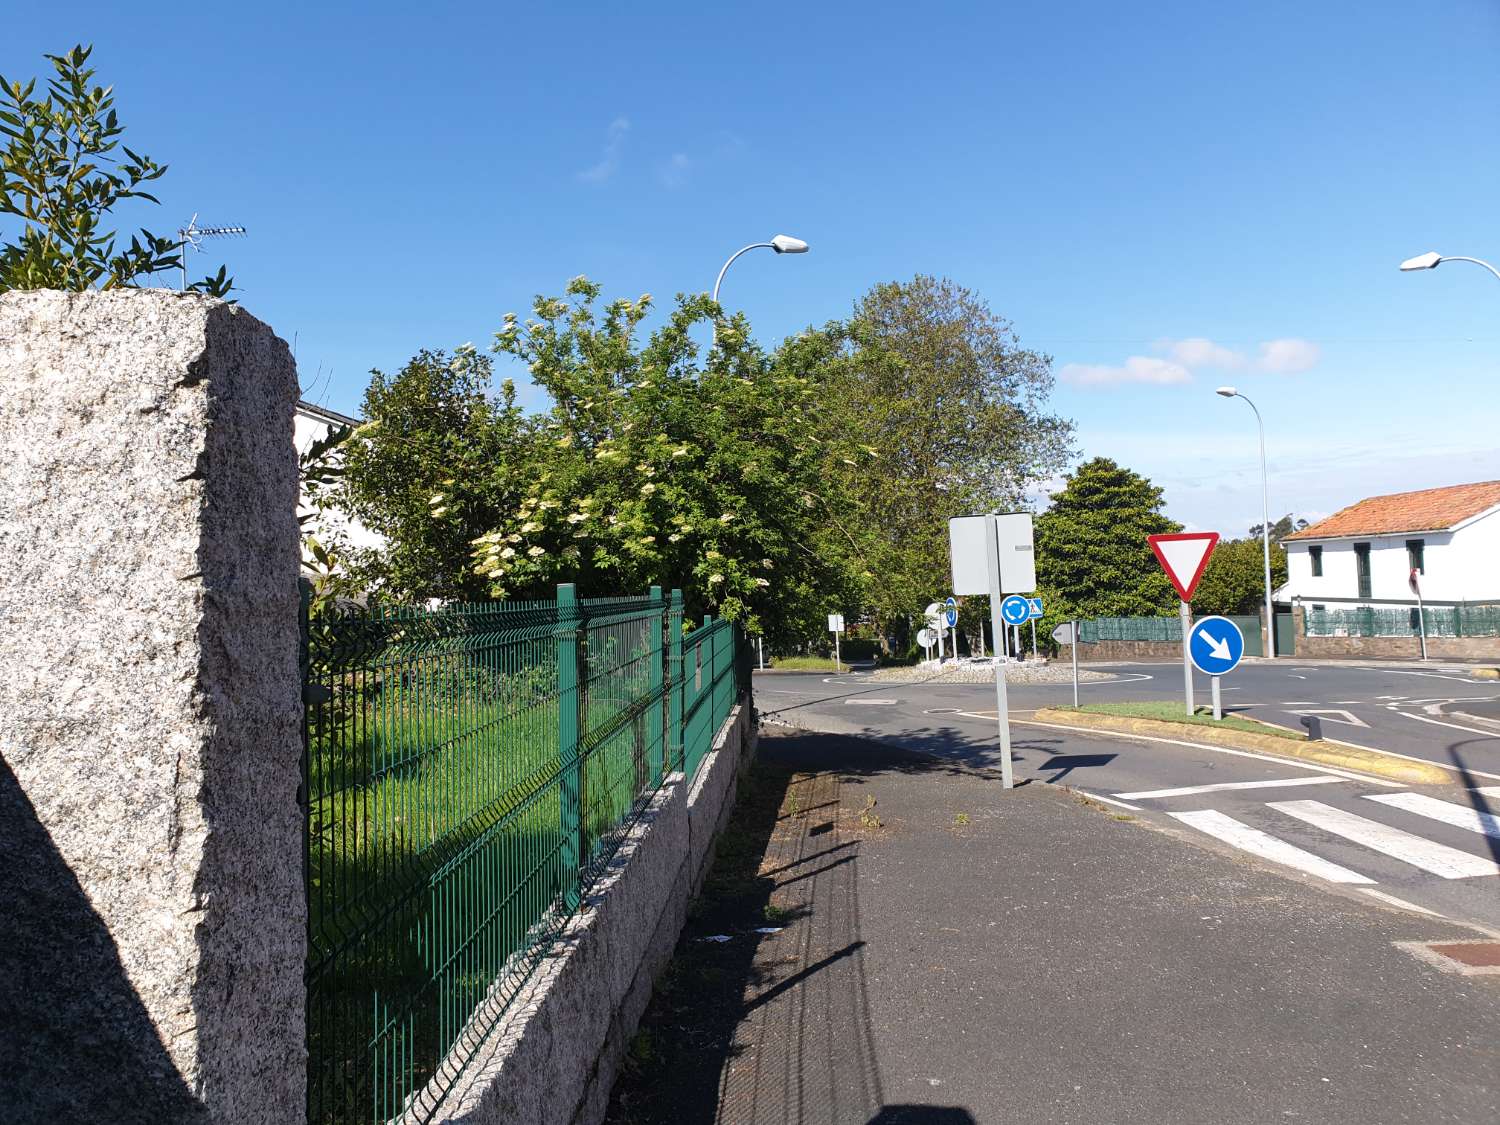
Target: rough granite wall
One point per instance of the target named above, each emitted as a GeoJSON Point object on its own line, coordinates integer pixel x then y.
{"type": "Point", "coordinates": [151, 913]}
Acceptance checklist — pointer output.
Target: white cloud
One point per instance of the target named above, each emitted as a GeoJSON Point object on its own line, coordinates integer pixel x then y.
{"type": "Point", "coordinates": [1136, 369]}
{"type": "Point", "coordinates": [1287, 357]}
{"type": "Point", "coordinates": [1278, 357]}
{"type": "Point", "coordinates": [674, 172]}
{"type": "Point", "coordinates": [609, 160]}
{"type": "Point", "coordinates": [1197, 352]}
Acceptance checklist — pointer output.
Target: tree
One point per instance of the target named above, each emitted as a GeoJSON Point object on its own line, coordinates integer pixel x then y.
{"type": "Point", "coordinates": [1092, 553]}
{"type": "Point", "coordinates": [1234, 580]}
{"type": "Point", "coordinates": [657, 472]}
{"type": "Point", "coordinates": [929, 408]}
{"type": "Point", "coordinates": [1283, 527]}
{"type": "Point", "coordinates": [437, 462]}
{"type": "Point", "coordinates": [58, 175]}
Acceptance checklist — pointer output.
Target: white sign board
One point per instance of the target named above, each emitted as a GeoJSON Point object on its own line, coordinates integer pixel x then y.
{"type": "Point", "coordinates": [926, 638]}
{"type": "Point", "coordinates": [1063, 634]}
{"type": "Point", "coordinates": [835, 622]}
{"type": "Point", "coordinates": [968, 544]}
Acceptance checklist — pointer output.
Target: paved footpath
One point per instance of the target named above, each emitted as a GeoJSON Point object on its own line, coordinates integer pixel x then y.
{"type": "Point", "coordinates": [946, 953]}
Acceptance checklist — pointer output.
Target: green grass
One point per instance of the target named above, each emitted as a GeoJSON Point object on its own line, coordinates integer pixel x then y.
{"type": "Point", "coordinates": [808, 664]}
{"type": "Point", "coordinates": [1172, 712]}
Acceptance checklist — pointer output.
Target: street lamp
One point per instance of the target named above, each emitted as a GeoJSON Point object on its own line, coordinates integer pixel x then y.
{"type": "Point", "coordinates": [1265, 522]}
{"type": "Point", "coordinates": [782, 244]}
{"type": "Point", "coordinates": [1432, 259]}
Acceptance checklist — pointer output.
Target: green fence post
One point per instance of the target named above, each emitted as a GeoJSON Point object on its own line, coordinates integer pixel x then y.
{"type": "Point", "coordinates": [674, 680]}
{"type": "Point", "coordinates": [571, 782]}
{"type": "Point", "coordinates": [655, 746]}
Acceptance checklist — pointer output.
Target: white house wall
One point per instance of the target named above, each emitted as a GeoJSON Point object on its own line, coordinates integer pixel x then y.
{"type": "Point", "coordinates": [309, 428]}
{"type": "Point", "coordinates": [1461, 565]}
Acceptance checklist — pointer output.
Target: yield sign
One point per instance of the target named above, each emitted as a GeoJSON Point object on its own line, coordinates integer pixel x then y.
{"type": "Point", "coordinates": [1184, 557]}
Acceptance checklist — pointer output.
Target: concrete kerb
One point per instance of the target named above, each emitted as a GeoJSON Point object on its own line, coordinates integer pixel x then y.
{"type": "Point", "coordinates": [1341, 755]}
{"type": "Point", "coordinates": [1485, 673]}
{"type": "Point", "coordinates": [554, 1057]}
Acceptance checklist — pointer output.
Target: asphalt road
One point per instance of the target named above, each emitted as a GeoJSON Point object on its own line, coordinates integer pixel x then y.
{"type": "Point", "coordinates": [1435, 851]}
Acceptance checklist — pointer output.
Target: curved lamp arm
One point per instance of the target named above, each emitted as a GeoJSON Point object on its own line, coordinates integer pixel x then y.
{"type": "Point", "coordinates": [720, 280]}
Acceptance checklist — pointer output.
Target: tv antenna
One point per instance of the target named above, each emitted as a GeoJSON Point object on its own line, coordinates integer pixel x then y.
{"type": "Point", "coordinates": [193, 235]}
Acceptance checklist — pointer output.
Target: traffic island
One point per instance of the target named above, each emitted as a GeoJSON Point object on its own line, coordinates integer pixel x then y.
{"type": "Point", "coordinates": [1240, 734]}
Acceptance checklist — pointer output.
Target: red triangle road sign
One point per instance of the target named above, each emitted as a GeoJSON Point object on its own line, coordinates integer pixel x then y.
{"type": "Point", "coordinates": [1184, 557]}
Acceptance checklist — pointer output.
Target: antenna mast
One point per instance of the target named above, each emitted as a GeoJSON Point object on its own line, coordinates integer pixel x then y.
{"type": "Point", "coordinates": [193, 235]}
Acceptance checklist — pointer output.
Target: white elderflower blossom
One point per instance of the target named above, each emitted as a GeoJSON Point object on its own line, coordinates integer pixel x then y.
{"type": "Point", "coordinates": [715, 579]}
{"type": "Point", "coordinates": [535, 552]}
{"type": "Point", "coordinates": [530, 525]}
{"type": "Point", "coordinates": [647, 539]}
{"type": "Point", "coordinates": [508, 553]}
{"type": "Point", "coordinates": [762, 582]}
{"type": "Point", "coordinates": [647, 489]}
{"type": "Point", "coordinates": [578, 517]}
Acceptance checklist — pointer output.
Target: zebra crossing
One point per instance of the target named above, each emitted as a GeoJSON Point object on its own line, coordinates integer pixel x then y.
{"type": "Point", "coordinates": [1356, 832]}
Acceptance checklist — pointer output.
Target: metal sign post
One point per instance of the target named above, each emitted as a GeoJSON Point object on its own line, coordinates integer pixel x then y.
{"type": "Point", "coordinates": [1075, 663]}
{"type": "Point", "coordinates": [836, 626]}
{"type": "Point", "coordinates": [1216, 648]}
{"type": "Point", "coordinates": [1002, 705]}
{"type": "Point", "coordinates": [1421, 612]}
{"type": "Point", "coordinates": [1185, 611]}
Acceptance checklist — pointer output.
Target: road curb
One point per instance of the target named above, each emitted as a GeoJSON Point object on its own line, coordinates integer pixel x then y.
{"type": "Point", "coordinates": [1485, 673]}
{"type": "Point", "coordinates": [1324, 753]}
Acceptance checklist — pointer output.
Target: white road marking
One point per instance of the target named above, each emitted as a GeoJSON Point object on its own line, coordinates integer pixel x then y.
{"type": "Point", "coordinates": [1433, 676]}
{"type": "Point", "coordinates": [1461, 816]}
{"type": "Point", "coordinates": [1429, 855]}
{"type": "Point", "coordinates": [1352, 775]}
{"type": "Point", "coordinates": [1107, 800]}
{"type": "Point", "coordinates": [1218, 787]}
{"type": "Point", "coordinates": [1454, 726]}
{"type": "Point", "coordinates": [1263, 844]}
{"type": "Point", "coordinates": [872, 702]}
{"type": "Point", "coordinates": [1390, 697]}
{"type": "Point", "coordinates": [1332, 715]}
{"type": "Point", "coordinates": [1292, 674]}
{"type": "Point", "coordinates": [1394, 901]}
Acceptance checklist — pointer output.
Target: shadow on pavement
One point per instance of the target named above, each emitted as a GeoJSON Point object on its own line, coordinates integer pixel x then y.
{"type": "Point", "coordinates": [773, 1024]}
{"type": "Point", "coordinates": [1472, 785]}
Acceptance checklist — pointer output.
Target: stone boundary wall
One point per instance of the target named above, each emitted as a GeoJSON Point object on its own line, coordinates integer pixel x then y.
{"type": "Point", "coordinates": [1127, 651]}
{"type": "Point", "coordinates": [151, 908]}
{"type": "Point", "coordinates": [1441, 648]}
{"type": "Point", "coordinates": [554, 1059]}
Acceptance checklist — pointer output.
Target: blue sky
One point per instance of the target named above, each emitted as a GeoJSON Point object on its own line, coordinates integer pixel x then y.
{"type": "Point", "coordinates": [1163, 197]}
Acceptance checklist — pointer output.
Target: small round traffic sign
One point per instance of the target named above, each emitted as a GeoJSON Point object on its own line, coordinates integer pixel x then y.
{"type": "Point", "coordinates": [1216, 645]}
{"type": "Point", "coordinates": [1015, 610]}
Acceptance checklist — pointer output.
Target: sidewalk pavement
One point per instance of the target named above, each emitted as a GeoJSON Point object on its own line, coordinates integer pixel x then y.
{"type": "Point", "coordinates": [946, 953]}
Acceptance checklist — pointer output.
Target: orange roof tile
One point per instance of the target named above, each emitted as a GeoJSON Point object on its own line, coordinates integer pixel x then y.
{"type": "Point", "coordinates": [1430, 509]}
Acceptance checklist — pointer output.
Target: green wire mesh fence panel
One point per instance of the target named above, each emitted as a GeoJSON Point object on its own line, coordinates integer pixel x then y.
{"type": "Point", "coordinates": [1403, 621]}
{"type": "Point", "coordinates": [1130, 629]}
{"type": "Point", "coordinates": [711, 670]}
{"type": "Point", "coordinates": [467, 772]}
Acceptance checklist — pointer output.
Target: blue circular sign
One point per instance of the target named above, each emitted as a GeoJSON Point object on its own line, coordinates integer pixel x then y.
{"type": "Point", "coordinates": [1015, 610]}
{"type": "Point", "coordinates": [1216, 645]}
{"type": "Point", "coordinates": [952, 613]}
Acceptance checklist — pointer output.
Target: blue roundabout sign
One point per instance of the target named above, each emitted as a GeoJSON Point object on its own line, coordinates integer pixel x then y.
{"type": "Point", "coordinates": [1216, 646]}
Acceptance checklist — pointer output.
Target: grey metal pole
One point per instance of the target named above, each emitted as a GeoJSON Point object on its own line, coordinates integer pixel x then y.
{"type": "Point", "coordinates": [1218, 707]}
{"type": "Point", "coordinates": [997, 627]}
{"type": "Point", "coordinates": [1186, 612]}
{"type": "Point", "coordinates": [1075, 663]}
{"type": "Point", "coordinates": [1265, 534]}
{"type": "Point", "coordinates": [1033, 638]}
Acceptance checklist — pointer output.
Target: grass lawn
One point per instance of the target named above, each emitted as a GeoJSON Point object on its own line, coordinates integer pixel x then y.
{"type": "Point", "coordinates": [808, 664]}
{"type": "Point", "coordinates": [1172, 712]}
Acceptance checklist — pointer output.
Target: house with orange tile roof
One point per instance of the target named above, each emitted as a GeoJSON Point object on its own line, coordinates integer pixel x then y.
{"type": "Point", "coordinates": [1367, 553]}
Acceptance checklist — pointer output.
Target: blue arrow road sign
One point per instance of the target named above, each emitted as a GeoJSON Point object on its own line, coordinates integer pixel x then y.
{"type": "Point", "coordinates": [1217, 645]}
{"type": "Point", "coordinates": [1034, 606]}
{"type": "Point", "coordinates": [1015, 610]}
{"type": "Point", "coordinates": [952, 612]}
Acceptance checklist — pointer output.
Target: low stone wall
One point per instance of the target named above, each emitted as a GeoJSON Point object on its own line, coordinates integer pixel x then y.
{"type": "Point", "coordinates": [1130, 651]}
{"type": "Point", "coordinates": [554, 1059]}
{"type": "Point", "coordinates": [1394, 648]}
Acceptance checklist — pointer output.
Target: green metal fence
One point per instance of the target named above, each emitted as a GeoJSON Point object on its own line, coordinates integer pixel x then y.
{"type": "Point", "coordinates": [1130, 629]}
{"type": "Point", "coordinates": [468, 773]}
{"type": "Point", "coordinates": [1401, 621]}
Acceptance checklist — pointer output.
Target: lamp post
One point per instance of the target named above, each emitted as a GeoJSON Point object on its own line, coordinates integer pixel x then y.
{"type": "Point", "coordinates": [1432, 259]}
{"type": "Point", "coordinates": [782, 244]}
{"type": "Point", "coordinates": [1265, 522]}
